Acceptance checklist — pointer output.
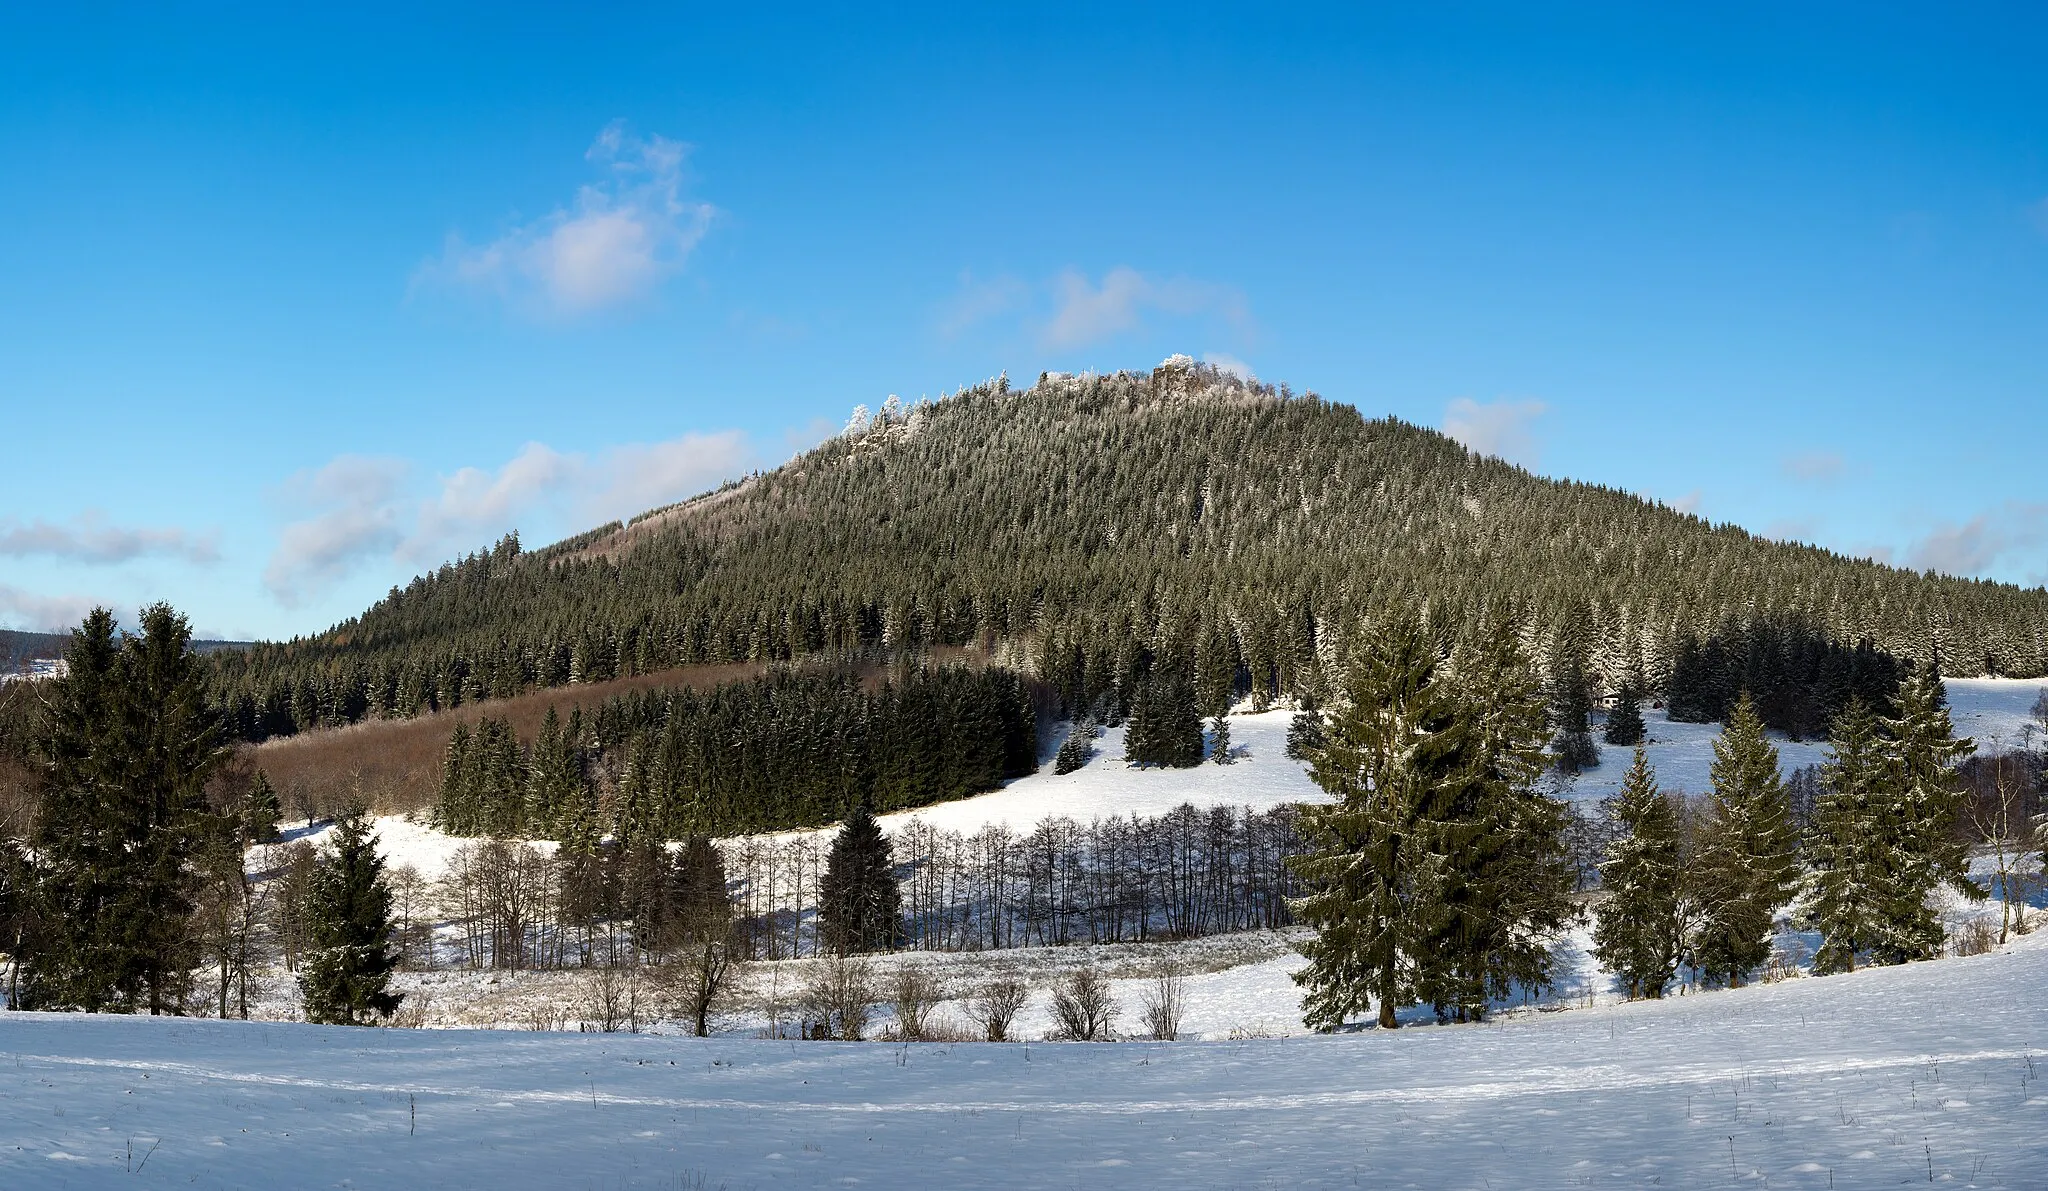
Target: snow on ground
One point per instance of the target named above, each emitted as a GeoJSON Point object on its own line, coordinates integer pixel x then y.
{"type": "Point", "coordinates": [1923, 1072]}
{"type": "Point", "coordinates": [1261, 777]}
{"type": "Point", "coordinates": [1995, 711]}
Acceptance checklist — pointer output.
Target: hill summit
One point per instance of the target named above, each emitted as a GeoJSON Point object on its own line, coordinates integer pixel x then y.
{"type": "Point", "coordinates": [1082, 525]}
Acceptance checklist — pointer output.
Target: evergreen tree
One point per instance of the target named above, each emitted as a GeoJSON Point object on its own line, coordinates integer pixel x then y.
{"type": "Point", "coordinates": [1165, 725]}
{"type": "Point", "coordinates": [1219, 740]}
{"type": "Point", "coordinates": [1749, 866]}
{"type": "Point", "coordinates": [1509, 882]}
{"type": "Point", "coordinates": [858, 902]}
{"type": "Point", "coordinates": [554, 776]}
{"type": "Point", "coordinates": [1305, 734]}
{"type": "Point", "coordinates": [1636, 931]}
{"type": "Point", "coordinates": [1934, 852]}
{"type": "Point", "coordinates": [1625, 721]}
{"type": "Point", "coordinates": [1852, 849]}
{"type": "Point", "coordinates": [347, 976]}
{"type": "Point", "coordinates": [260, 810]}
{"type": "Point", "coordinates": [129, 744]}
{"type": "Point", "coordinates": [1571, 694]}
{"type": "Point", "coordinates": [1375, 867]}
{"type": "Point", "coordinates": [78, 957]}
{"type": "Point", "coordinates": [1075, 749]}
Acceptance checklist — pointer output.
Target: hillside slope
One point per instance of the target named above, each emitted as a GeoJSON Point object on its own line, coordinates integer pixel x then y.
{"type": "Point", "coordinates": [1086, 518]}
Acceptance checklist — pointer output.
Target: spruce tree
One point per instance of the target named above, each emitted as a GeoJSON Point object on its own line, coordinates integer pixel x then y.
{"type": "Point", "coordinates": [260, 810]}
{"type": "Point", "coordinates": [128, 745]}
{"type": "Point", "coordinates": [1509, 879]}
{"type": "Point", "coordinates": [1571, 695]}
{"type": "Point", "coordinates": [1305, 733]}
{"type": "Point", "coordinates": [1636, 929]}
{"type": "Point", "coordinates": [1166, 726]}
{"type": "Point", "coordinates": [1219, 740]}
{"type": "Point", "coordinates": [78, 958]}
{"type": "Point", "coordinates": [858, 902]}
{"type": "Point", "coordinates": [1625, 722]}
{"type": "Point", "coordinates": [1075, 749]}
{"type": "Point", "coordinates": [1375, 867]}
{"type": "Point", "coordinates": [1853, 847]}
{"type": "Point", "coordinates": [348, 915]}
{"type": "Point", "coordinates": [1748, 869]}
{"type": "Point", "coordinates": [1934, 852]}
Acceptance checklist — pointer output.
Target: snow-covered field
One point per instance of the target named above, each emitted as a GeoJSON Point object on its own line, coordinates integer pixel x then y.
{"type": "Point", "coordinates": [1924, 1072]}
{"type": "Point", "coordinates": [1995, 711]}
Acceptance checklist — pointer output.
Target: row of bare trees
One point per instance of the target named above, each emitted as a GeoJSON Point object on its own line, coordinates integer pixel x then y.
{"type": "Point", "coordinates": [1190, 872]}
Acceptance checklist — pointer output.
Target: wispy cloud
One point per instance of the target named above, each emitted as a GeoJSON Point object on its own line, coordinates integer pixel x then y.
{"type": "Point", "coordinates": [89, 538]}
{"type": "Point", "coordinates": [1073, 310]}
{"type": "Point", "coordinates": [978, 300]}
{"type": "Point", "coordinates": [1225, 362]}
{"type": "Point", "coordinates": [614, 245]}
{"type": "Point", "coordinates": [36, 612]}
{"type": "Point", "coordinates": [1975, 546]}
{"type": "Point", "coordinates": [1815, 467]}
{"type": "Point", "coordinates": [357, 510]}
{"type": "Point", "coordinates": [355, 505]}
{"type": "Point", "coordinates": [1087, 313]}
{"type": "Point", "coordinates": [1689, 504]}
{"type": "Point", "coordinates": [1503, 428]}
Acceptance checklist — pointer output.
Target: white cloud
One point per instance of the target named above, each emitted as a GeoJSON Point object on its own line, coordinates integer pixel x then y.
{"type": "Point", "coordinates": [619, 240]}
{"type": "Point", "coordinates": [359, 509]}
{"type": "Point", "coordinates": [365, 510]}
{"type": "Point", "coordinates": [1688, 504]}
{"type": "Point", "coordinates": [1972, 547]}
{"type": "Point", "coordinates": [44, 614]}
{"type": "Point", "coordinates": [1071, 310]}
{"type": "Point", "coordinates": [90, 539]}
{"type": "Point", "coordinates": [1085, 313]}
{"type": "Point", "coordinates": [1503, 428]}
{"type": "Point", "coordinates": [978, 301]}
{"type": "Point", "coordinates": [633, 479]}
{"type": "Point", "coordinates": [1815, 467]}
{"type": "Point", "coordinates": [1225, 362]}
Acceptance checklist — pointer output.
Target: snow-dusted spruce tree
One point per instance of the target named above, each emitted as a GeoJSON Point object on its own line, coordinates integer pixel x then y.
{"type": "Point", "coordinates": [1925, 754]}
{"type": "Point", "coordinates": [1438, 871]}
{"type": "Point", "coordinates": [1165, 725]}
{"type": "Point", "coordinates": [1750, 865]}
{"type": "Point", "coordinates": [1374, 877]}
{"type": "Point", "coordinates": [1305, 732]}
{"type": "Point", "coordinates": [347, 977]}
{"type": "Point", "coordinates": [1636, 925]}
{"type": "Point", "coordinates": [1571, 693]}
{"type": "Point", "coordinates": [1219, 740]}
{"type": "Point", "coordinates": [858, 902]}
{"type": "Point", "coordinates": [1853, 850]}
{"type": "Point", "coordinates": [1511, 872]}
{"type": "Point", "coordinates": [126, 745]}
{"type": "Point", "coordinates": [1075, 749]}
{"type": "Point", "coordinates": [1625, 722]}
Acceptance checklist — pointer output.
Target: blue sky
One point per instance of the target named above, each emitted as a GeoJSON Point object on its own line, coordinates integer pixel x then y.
{"type": "Point", "coordinates": [292, 308]}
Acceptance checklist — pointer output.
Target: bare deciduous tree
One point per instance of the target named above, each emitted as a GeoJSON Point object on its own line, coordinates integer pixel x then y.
{"type": "Point", "coordinates": [837, 999]}
{"type": "Point", "coordinates": [996, 1006]}
{"type": "Point", "coordinates": [1165, 1001]}
{"type": "Point", "coordinates": [1083, 1007]}
{"type": "Point", "coordinates": [913, 994]}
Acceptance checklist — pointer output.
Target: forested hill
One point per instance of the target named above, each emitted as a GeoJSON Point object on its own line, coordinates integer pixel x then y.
{"type": "Point", "coordinates": [1079, 524]}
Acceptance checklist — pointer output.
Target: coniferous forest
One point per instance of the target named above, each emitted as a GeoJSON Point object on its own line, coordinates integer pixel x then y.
{"type": "Point", "coordinates": [1087, 525]}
